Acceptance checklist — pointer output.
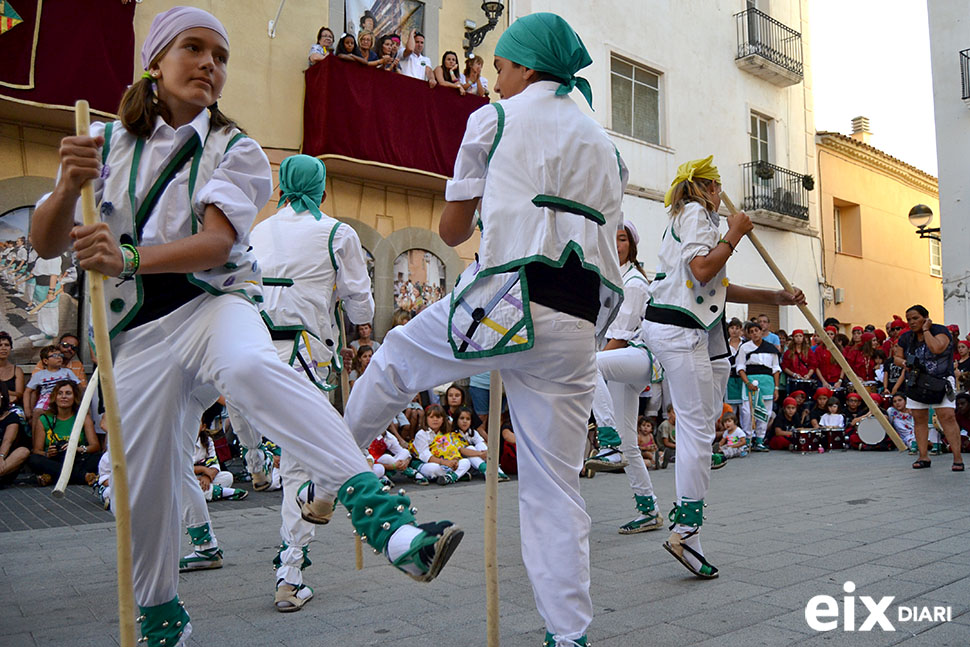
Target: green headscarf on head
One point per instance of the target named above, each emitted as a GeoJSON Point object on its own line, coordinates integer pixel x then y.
{"type": "Point", "coordinates": [303, 180]}
{"type": "Point", "coordinates": [544, 42]}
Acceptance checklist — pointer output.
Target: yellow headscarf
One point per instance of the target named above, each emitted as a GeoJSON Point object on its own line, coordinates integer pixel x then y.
{"type": "Point", "coordinates": [703, 169]}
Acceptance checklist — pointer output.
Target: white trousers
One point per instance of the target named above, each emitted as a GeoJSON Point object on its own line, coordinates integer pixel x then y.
{"type": "Point", "coordinates": [621, 374]}
{"type": "Point", "coordinates": [550, 393]}
{"type": "Point", "coordinates": [434, 470]}
{"type": "Point", "coordinates": [195, 511]}
{"type": "Point", "coordinates": [220, 341]}
{"type": "Point", "coordinates": [749, 423]}
{"type": "Point", "coordinates": [696, 386]}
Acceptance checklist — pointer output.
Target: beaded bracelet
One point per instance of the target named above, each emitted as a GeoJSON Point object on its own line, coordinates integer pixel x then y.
{"type": "Point", "coordinates": [132, 261]}
{"type": "Point", "coordinates": [725, 240]}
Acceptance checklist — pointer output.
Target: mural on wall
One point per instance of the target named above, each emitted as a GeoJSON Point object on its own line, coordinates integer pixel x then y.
{"type": "Point", "coordinates": [38, 297]}
{"type": "Point", "coordinates": [419, 280]}
{"type": "Point", "coordinates": [383, 16]}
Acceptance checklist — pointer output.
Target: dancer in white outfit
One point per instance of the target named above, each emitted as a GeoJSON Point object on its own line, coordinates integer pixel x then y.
{"type": "Point", "coordinates": [550, 183]}
{"type": "Point", "coordinates": [623, 369]}
{"type": "Point", "coordinates": [685, 328]}
{"type": "Point", "coordinates": [179, 186]}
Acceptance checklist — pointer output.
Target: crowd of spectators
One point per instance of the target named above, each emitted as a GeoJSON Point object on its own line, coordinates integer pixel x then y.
{"type": "Point", "coordinates": [390, 53]}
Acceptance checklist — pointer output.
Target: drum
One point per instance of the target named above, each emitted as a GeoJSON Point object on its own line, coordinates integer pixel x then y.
{"type": "Point", "coordinates": [871, 387]}
{"type": "Point", "coordinates": [821, 441]}
{"type": "Point", "coordinates": [806, 386]}
{"type": "Point", "coordinates": [801, 440]}
{"type": "Point", "coordinates": [870, 431]}
{"type": "Point", "coordinates": [835, 437]}
{"type": "Point", "coordinates": [840, 393]}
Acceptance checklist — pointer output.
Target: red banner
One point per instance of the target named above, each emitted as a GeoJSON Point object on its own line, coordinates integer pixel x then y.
{"type": "Point", "coordinates": [81, 49]}
{"type": "Point", "coordinates": [369, 114]}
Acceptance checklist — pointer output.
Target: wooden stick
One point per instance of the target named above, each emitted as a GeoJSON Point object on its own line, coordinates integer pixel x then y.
{"type": "Point", "coordinates": [79, 418]}
{"type": "Point", "coordinates": [344, 394]}
{"type": "Point", "coordinates": [491, 507]}
{"type": "Point", "coordinates": [119, 471]}
{"type": "Point", "coordinates": [822, 335]}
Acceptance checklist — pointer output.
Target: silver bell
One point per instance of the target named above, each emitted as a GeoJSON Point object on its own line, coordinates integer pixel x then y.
{"type": "Point", "coordinates": [368, 511]}
{"type": "Point", "coordinates": [402, 491]}
{"type": "Point", "coordinates": [414, 510]}
{"type": "Point", "coordinates": [164, 624]}
{"type": "Point", "coordinates": [386, 525]}
{"type": "Point", "coordinates": [400, 508]}
{"type": "Point", "coordinates": [350, 489]}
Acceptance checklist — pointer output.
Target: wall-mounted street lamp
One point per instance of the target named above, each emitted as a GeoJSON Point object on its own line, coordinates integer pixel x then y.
{"type": "Point", "coordinates": [475, 37]}
{"type": "Point", "coordinates": [919, 217]}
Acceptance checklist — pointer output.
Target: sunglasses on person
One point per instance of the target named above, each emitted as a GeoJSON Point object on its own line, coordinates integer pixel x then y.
{"type": "Point", "coordinates": [54, 355]}
{"type": "Point", "coordinates": [64, 344]}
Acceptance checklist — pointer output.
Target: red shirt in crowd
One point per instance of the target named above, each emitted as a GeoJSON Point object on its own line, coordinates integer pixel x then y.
{"type": "Point", "coordinates": [827, 365]}
{"type": "Point", "coordinates": [797, 363]}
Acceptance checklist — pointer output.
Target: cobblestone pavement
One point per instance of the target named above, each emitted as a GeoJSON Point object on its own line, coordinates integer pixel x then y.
{"type": "Point", "coordinates": [781, 527]}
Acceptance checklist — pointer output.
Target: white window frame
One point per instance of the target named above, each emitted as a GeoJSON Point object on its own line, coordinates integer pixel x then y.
{"type": "Point", "coordinates": [661, 94]}
{"type": "Point", "coordinates": [838, 228]}
{"type": "Point", "coordinates": [936, 258]}
{"type": "Point", "coordinates": [756, 136]}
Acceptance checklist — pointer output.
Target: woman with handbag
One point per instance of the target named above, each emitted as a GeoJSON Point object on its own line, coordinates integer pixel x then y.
{"type": "Point", "coordinates": [928, 351]}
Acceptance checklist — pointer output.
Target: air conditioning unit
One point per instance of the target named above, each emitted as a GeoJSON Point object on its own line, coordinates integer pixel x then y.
{"type": "Point", "coordinates": [839, 295]}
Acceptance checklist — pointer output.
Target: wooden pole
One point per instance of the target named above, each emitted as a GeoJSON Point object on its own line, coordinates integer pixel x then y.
{"type": "Point", "coordinates": [76, 432]}
{"type": "Point", "coordinates": [822, 335]}
{"type": "Point", "coordinates": [344, 394]}
{"type": "Point", "coordinates": [491, 507]}
{"type": "Point", "coordinates": [119, 472]}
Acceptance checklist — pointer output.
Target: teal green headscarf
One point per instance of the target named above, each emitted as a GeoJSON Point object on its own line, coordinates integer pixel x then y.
{"type": "Point", "coordinates": [303, 180]}
{"type": "Point", "coordinates": [544, 42]}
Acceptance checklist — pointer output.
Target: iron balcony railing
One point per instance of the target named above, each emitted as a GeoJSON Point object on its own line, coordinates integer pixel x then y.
{"type": "Point", "coordinates": [965, 73]}
{"type": "Point", "coordinates": [773, 188]}
{"type": "Point", "coordinates": [759, 33]}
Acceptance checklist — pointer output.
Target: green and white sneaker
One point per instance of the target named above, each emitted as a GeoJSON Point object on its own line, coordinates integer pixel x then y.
{"type": "Point", "coordinates": [429, 550]}
{"type": "Point", "coordinates": [550, 641]}
{"type": "Point", "coordinates": [913, 450]}
{"type": "Point", "coordinates": [936, 449]}
{"type": "Point", "coordinates": [228, 493]}
{"type": "Point", "coordinates": [759, 445]}
{"type": "Point", "coordinates": [447, 478]}
{"type": "Point", "coordinates": [718, 461]}
{"type": "Point", "coordinates": [201, 560]}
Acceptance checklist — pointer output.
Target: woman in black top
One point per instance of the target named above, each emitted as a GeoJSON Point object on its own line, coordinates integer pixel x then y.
{"type": "Point", "coordinates": [928, 347]}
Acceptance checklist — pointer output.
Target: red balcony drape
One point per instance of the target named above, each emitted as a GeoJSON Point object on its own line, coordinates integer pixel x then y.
{"type": "Point", "coordinates": [369, 114]}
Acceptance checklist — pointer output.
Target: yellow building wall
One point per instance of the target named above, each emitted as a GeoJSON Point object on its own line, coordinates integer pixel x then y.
{"type": "Point", "coordinates": [892, 271]}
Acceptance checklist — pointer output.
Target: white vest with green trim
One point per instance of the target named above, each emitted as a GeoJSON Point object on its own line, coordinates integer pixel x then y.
{"type": "Point", "coordinates": [674, 287]}
{"type": "Point", "coordinates": [240, 274]}
{"type": "Point", "coordinates": [554, 186]}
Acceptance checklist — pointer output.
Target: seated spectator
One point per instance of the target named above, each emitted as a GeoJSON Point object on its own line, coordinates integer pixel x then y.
{"type": "Point", "coordinates": [734, 442]}
{"type": "Point", "coordinates": [646, 442]}
{"type": "Point", "coordinates": [14, 444]}
{"type": "Point", "coordinates": [854, 411]}
{"type": "Point", "coordinates": [879, 358]}
{"type": "Point", "coordinates": [347, 48]}
{"type": "Point", "coordinates": [471, 79]}
{"type": "Point", "coordinates": [400, 317]}
{"type": "Point", "coordinates": [901, 419]}
{"type": "Point", "coordinates": [68, 346]}
{"type": "Point", "coordinates": [37, 395]}
{"type": "Point", "coordinates": [833, 415]}
{"type": "Point", "coordinates": [855, 441]}
{"type": "Point", "coordinates": [476, 451]}
{"type": "Point", "coordinates": [456, 399]}
{"type": "Point", "coordinates": [323, 47]}
{"type": "Point", "coordinates": [388, 451]}
{"type": "Point", "coordinates": [507, 453]}
{"type": "Point", "coordinates": [52, 431]}
{"type": "Point", "coordinates": [668, 438]}
{"type": "Point", "coordinates": [819, 407]}
{"type": "Point", "coordinates": [364, 332]}
{"type": "Point", "coordinates": [780, 434]}
{"type": "Point", "coordinates": [414, 413]}
{"type": "Point", "coordinates": [447, 74]}
{"type": "Point", "coordinates": [413, 61]}
{"type": "Point", "coordinates": [800, 398]}
{"type": "Point", "coordinates": [215, 482]}
{"type": "Point", "coordinates": [439, 449]}
{"type": "Point", "coordinates": [11, 375]}
{"type": "Point", "coordinates": [387, 50]}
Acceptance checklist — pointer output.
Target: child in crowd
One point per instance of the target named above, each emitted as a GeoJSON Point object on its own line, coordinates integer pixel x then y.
{"type": "Point", "coordinates": [37, 394]}
{"type": "Point", "coordinates": [902, 421]}
{"type": "Point", "coordinates": [476, 450]}
{"type": "Point", "coordinates": [414, 413]}
{"type": "Point", "coordinates": [780, 434]}
{"type": "Point", "coordinates": [668, 437]}
{"type": "Point", "coordinates": [646, 442]}
{"type": "Point", "coordinates": [818, 410]}
{"type": "Point", "coordinates": [387, 451]}
{"type": "Point", "coordinates": [52, 430]}
{"type": "Point", "coordinates": [439, 449]}
{"type": "Point", "coordinates": [833, 416]}
{"type": "Point", "coordinates": [215, 482]}
{"type": "Point", "coordinates": [734, 442]}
